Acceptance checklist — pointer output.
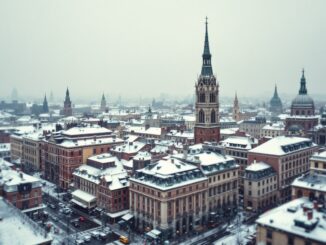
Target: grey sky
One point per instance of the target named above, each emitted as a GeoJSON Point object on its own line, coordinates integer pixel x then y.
{"type": "Point", "coordinates": [144, 48]}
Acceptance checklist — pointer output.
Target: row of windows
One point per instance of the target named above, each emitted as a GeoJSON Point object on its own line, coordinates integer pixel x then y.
{"type": "Point", "coordinates": [221, 176]}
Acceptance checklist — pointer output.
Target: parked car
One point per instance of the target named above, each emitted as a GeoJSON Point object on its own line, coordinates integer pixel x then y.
{"type": "Point", "coordinates": [55, 218]}
{"type": "Point", "coordinates": [53, 206]}
{"type": "Point", "coordinates": [66, 210]}
{"type": "Point", "coordinates": [79, 241]}
{"type": "Point", "coordinates": [87, 238]}
{"type": "Point", "coordinates": [95, 234]}
{"type": "Point", "coordinates": [61, 205]}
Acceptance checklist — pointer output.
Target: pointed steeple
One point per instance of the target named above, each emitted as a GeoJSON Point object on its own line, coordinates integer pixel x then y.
{"type": "Point", "coordinates": [45, 105]}
{"type": "Point", "coordinates": [67, 99]}
{"type": "Point", "coordinates": [103, 103]}
{"type": "Point", "coordinates": [206, 69]}
{"type": "Point", "coordinates": [275, 92]}
{"type": "Point", "coordinates": [236, 97]}
{"type": "Point", "coordinates": [303, 88]}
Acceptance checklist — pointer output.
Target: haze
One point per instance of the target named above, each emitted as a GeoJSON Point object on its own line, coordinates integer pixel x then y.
{"type": "Point", "coordinates": [146, 48]}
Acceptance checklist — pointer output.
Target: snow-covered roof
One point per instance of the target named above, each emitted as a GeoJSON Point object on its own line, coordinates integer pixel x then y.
{"type": "Point", "coordinates": [238, 142]}
{"type": "Point", "coordinates": [83, 195]}
{"type": "Point", "coordinates": [283, 145]}
{"type": "Point", "coordinates": [12, 178]}
{"type": "Point", "coordinates": [16, 229]}
{"type": "Point", "coordinates": [168, 173]}
{"type": "Point", "coordinates": [258, 166]}
{"type": "Point", "coordinates": [80, 131]}
{"type": "Point", "coordinates": [316, 182]}
{"type": "Point", "coordinates": [103, 158]}
{"type": "Point", "coordinates": [4, 147]}
{"type": "Point", "coordinates": [142, 130]}
{"type": "Point", "coordinates": [131, 147]}
{"type": "Point", "coordinates": [143, 155]}
{"type": "Point", "coordinates": [228, 131]}
{"type": "Point", "coordinates": [88, 142]}
{"type": "Point", "coordinates": [319, 156]}
{"type": "Point", "coordinates": [291, 219]}
{"type": "Point", "coordinates": [274, 126]}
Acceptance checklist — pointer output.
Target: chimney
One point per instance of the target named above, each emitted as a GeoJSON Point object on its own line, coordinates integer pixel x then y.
{"type": "Point", "coordinates": [315, 204]}
{"type": "Point", "coordinates": [309, 214]}
{"type": "Point", "coordinates": [185, 151]}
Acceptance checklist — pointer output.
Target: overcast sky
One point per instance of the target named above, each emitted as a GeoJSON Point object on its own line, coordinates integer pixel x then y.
{"type": "Point", "coordinates": [145, 48]}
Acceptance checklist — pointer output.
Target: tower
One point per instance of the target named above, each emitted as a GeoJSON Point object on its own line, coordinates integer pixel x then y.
{"type": "Point", "coordinates": [67, 110]}
{"type": "Point", "coordinates": [302, 111]}
{"type": "Point", "coordinates": [236, 109]}
{"type": "Point", "coordinates": [207, 126]}
{"type": "Point", "coordinates": [45, 107]}
{"type": "Point", "coordinates": [276, 106]}
{"type": "Point", "coordinates": [103, 103]}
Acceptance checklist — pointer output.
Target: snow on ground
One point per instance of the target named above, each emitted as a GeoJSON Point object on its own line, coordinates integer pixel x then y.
{"type": "Point", "coordinates": [237, 235]}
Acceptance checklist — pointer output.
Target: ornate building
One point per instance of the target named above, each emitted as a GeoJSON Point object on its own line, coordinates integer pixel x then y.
{"type": "Point", "coordinates": [67, 110]}
{"type": "Point", "coordinates": [275, 104]}
{"type": "Point", "coordinates": [236, 109]}
{"type": "Point", "coordinates": [303, 116]}
{"type": "Point", "coordinates": [207, 126]}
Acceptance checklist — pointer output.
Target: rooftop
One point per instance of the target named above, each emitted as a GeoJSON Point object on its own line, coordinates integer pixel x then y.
{"type": "Point", "coordinates": [258, 166]}
{"type": "Point", "coordinates": [82, 131]}
{"type": "Point", "coordinates": [15, 228]}
{"type": "Point", "coordinates": [283, 145]}
{"type": "Point", "coordinates": [238, 142]}
{"type": "Point", "coordinates": [291, 218]}
{"type": "Point", "coordinates": [311, 181]}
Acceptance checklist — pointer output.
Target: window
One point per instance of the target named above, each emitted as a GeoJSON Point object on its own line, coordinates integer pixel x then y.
{"type": "Point", "coordinates": [290, 240]}
{"type": "Point", "coordinates": [212, 98]}
{"type": "Point", "coordinates": [213, 116]}
{"type": "Point", "coordinates": [202, 98]}
{"type": "Point", "coordinates": [269, 234]}
{"type": "Point", "coordinates": [201, 116]}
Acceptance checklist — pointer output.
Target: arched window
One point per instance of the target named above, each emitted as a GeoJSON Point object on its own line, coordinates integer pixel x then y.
{"type": "Point", "coordinates": [202, 98]}
{"type": "Point", "coordinates": [213, 116]}
{"type": "Point", "coordinates": [212, 98]}
{"type": "Point", "coordinates": [201, 116]}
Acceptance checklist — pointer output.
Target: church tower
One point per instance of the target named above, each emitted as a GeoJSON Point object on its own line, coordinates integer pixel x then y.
{"type": "Point", "coordinates": [103, 104]}
{"type": "Point", "coordinates": [45, 107]}
{"type": "Point", "coordinates": [67, 109]}
{"type": "Point", "coordinates": [236, 109]}
{"type": "Point", "coordinates": [207, 127]}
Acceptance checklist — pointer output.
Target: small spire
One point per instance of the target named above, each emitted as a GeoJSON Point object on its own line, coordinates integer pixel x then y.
{"type": "Point", "coordinates": [236, 96]}
{"type": "Point", "coordinates": [207, 66]}
{"type": "Point", "coordinates": [275, 91]}
{"type": "Point", "coordinates": [303, 88]}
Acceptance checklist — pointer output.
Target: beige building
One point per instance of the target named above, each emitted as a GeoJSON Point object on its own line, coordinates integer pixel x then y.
{"type": "Point", "coordinates": [16, 150]}
{"type": "Point", "coordinates": [260, 187]}
{"type": "Point", "coordinates": [312, 184]}
{"type": "Point", "coordinates": [272, 130]}
{"type": "Point", "coordinates": [298, 222]}
{"type": "Point", "coordinates": [31, 152]}
{"type": "Point", "coordinates": [169, 195]}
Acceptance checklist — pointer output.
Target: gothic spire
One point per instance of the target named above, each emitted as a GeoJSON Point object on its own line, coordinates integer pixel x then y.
{"type": "Point", "coordinates": [303, 88]}
{"type": "Point", "coordinates": [207, 66]}
{"type": "Point", "coordinates": [67, 99]}
{"type": "Point", "coordinates": [275, 92]}
{"type": "Point", "coordinates": [45, 105]}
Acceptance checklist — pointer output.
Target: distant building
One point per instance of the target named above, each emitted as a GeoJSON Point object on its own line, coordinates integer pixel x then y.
{"type": "Point", "coordinates": [207, 126]}
{"type": "Point", "coordinates": [303, 116]}
{"type": "Point", "coordinates": [275, 104]}
{"type": "Point", "coordinates": [236, 109]}
{"type": "Point", "coordinates": [318, 132]}
{"type": "Point", "coordinates": [253, 127]}
{"type": "Point", "coordinates": [45, 105]}
{"type": "Point", "coordinates": [272, 130]}
{"type": "Point", "coordinates": [67, 108]}
{"type": "Point", "coordinates": [103, 104]}
{"type": "Point", "coordinates": [297, 222]}
{"type": "Point", "coordinates": [289, 157]}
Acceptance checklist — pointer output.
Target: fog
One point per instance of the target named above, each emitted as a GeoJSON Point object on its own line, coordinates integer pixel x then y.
{"type": "Point", "coordinates": [148, 48]}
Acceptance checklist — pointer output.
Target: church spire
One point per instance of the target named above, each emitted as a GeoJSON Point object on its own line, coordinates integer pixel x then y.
{"type": "Point", "coordinates": [207, 66]}
{"type": "Point", "coordinates": [275, 92]}
{"type": "Point", "coordinates": [45, 105]}
{"type": "Point", "coordinates": [303, 88]}
{"type": "Point", "coordinates": [67, 99]}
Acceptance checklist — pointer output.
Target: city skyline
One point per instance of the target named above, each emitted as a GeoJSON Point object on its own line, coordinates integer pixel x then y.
{"type": "Point", "coordinates": [129, 52]}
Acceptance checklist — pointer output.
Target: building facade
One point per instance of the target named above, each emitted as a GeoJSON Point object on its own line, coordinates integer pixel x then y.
{"type": "Point", "coordinates": [289, 157]}
{"type": "Point", "coordinates": [260, 187]}
{"type": "Point", "coordinates": [207, 126]}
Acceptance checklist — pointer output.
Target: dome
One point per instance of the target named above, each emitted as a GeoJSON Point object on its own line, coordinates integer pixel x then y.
{"type": "Point", "coordinates": [303, 100]}
{"type": "Point", "coordinates": [295, 128]}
